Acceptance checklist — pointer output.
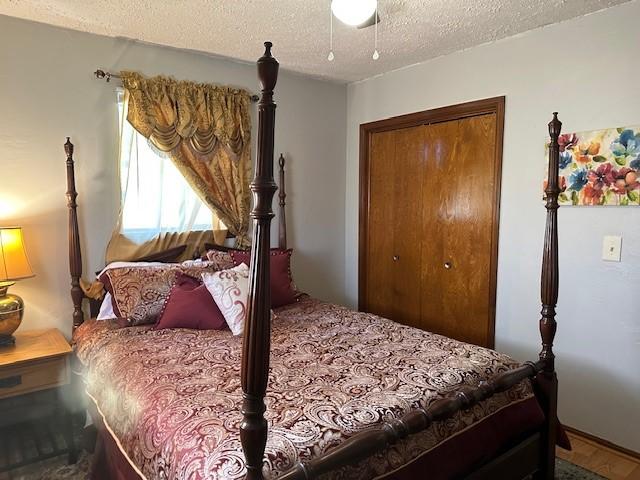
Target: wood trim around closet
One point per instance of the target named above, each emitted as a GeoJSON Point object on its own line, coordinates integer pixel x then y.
{"type": "Point", "coordinates": [454, 112]}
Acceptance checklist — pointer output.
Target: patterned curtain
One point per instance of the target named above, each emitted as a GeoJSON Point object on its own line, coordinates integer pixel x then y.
{"type": "Point", "coordinates": [206, 131]}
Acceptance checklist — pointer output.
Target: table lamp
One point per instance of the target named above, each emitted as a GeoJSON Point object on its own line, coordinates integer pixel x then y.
{"type": "Point", "coordinates": [14, 265]}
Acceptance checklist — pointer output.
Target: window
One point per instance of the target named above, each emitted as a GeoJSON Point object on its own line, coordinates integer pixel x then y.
{"type": "Point", "coordinates": [155, 196]}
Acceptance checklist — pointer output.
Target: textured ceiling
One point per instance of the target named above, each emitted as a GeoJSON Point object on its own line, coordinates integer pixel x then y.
{"type": "Point", "coordinates": [411, 31]}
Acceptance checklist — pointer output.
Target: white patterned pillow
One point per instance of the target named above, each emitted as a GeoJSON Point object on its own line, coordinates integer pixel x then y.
{"type": "Point", "coordinates": [230, 290]}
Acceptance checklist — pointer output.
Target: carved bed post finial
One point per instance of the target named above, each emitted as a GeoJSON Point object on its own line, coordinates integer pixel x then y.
{"type": "Point", "coordinates": [257, 330]}
{"type": "Point", "coordinates": [549, 279]}
{"type": "Point", "coordinates": [75, 256]}
{"type": "Point", "coordinates": [282, 195]}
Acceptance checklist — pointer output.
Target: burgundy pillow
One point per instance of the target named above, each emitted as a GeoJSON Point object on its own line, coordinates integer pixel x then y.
{"type": "Point", "coordinates": [190, 305]}
{"type": "Point", "coordinates": [282, 290]}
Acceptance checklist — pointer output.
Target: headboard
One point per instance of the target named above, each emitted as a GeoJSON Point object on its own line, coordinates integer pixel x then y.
{"type": "Point", "coordinates": [75, 252]}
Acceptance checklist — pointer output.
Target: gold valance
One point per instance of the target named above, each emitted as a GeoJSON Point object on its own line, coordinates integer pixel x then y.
{"type": "Point", "coordinates": [167, 111]}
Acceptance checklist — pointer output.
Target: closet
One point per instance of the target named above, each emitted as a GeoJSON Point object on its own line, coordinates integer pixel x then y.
{"type": "Point", "coordinates": [430, 187]}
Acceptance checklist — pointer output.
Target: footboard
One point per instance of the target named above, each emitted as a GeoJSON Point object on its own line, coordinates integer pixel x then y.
{"type": "Point", "coordinates": [380, 437]}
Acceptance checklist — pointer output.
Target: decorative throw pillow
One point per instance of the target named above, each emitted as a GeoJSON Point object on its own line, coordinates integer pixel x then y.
{"type": "Point", "coordinates": [230, 290]}
{"type": "Point", "coordinates": [283, 291]}
{"type": "Point", "coordinates": [223, 260]}
{"type": "Point", "coordinates": [189, 305]}
{"type": "Point", "coordinates": [139, 293]}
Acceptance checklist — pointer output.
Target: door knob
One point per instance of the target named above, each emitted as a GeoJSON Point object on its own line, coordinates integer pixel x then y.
{"type": "Point", "coordinates": [447, 265]}
{"type": "Point", "coordinates": [396, 258]}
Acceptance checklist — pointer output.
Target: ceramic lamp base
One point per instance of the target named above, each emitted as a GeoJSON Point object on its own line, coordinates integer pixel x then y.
{"type": "Point", "coordinates": [7, 340]}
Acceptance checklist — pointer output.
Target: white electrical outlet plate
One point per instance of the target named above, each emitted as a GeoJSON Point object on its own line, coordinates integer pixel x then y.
{"type": "Point", "coordinates": [611, 247]}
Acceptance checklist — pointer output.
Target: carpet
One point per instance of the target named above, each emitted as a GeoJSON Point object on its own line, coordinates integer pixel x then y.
{"type": "Point", "coordinates": [568, 471]}
{"type": "Point", "coordinates": [56, 469]}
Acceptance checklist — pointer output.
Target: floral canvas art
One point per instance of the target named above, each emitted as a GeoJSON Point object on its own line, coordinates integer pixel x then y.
{"type": "Point", "coordinates": [601, 167]}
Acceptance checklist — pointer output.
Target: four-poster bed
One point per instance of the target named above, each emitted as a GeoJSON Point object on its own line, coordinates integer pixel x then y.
{"type": "Point", "coordinates": [488, 386]}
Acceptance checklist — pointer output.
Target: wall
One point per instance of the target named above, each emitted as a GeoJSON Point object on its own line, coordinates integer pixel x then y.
{"type": "Point", "coordinates": [586, 69]}
{"type": "Point", "coordinates": [47, 91]}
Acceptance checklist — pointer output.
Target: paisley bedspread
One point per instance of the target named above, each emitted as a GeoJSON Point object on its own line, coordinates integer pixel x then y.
{"type": "Point", "coordinates": [172, 397]}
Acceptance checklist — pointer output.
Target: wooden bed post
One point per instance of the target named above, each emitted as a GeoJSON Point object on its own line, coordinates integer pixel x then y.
{"type": "Point", "coordinates": [75, 256]}
{"type": "Point", "coordinates": [547, 378]}
{"type": "Point", "coordinates": [257, 330]}
{"type": "Point", "coordinates": [282, 195]}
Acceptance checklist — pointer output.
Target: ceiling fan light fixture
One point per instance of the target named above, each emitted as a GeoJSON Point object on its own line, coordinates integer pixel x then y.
{"type": "Point", "coordinates": [353, 12]}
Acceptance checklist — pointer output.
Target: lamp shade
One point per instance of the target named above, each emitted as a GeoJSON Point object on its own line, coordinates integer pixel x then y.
{"type": "Point", "coordinates": [14, 263]}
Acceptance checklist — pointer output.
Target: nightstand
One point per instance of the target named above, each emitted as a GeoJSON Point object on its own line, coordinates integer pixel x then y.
{"type": "Point", "coordinates": [38, 362]}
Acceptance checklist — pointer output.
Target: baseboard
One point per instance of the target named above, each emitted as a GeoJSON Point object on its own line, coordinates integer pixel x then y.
{"type": "Point", "coordinates": [603, 443]}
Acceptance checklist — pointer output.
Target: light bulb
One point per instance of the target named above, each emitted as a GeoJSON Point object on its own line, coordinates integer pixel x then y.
{"type": "Point", "coordinates": [353, 12]}
{"type": "Point", "coordinates": [331, 56]}
{"type": "Point", "coordinates": [376, 55]}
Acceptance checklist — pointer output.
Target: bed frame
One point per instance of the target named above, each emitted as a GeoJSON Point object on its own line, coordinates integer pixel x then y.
{"type": "Point", "coordinates": [534, 455]}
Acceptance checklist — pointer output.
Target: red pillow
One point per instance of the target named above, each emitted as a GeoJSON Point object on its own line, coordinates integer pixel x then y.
{"type": "Point", "coordinates": [190, 305]}
{"type": "Point", "coordinates": [282, 291]}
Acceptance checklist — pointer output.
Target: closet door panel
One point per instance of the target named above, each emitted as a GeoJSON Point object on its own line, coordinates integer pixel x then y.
{"type": "Point", "coordinates": [407, 254]}
{"type": "Point", "coordinates": [457, 220]}
{"type": "Point", "coordinates": [380, 265]}
{"type": "Point", "coordinates": [394, 255]}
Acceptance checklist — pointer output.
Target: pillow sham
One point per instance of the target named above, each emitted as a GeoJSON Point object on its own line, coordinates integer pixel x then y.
{"type": "Point", "coordinates": [230, 290]}
{"type": "Point", "coordinates": [283, 291]}
{"type": "Point", "coordinates": [139, 292]}
{"type": "Point", "coordinates": [113, 265]}
{"type": "Point", "coordinates": [106, 307]}
{"type": "Point", "coordinates": [190, 305]}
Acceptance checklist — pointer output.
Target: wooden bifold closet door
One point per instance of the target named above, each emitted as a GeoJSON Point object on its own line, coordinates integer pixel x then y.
{"type": "Point", "coordinates": [429, 213]}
